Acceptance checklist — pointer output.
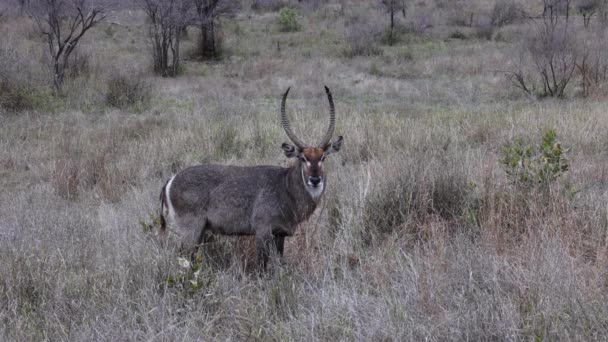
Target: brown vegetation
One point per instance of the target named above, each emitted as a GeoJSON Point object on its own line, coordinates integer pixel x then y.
{"type": "Point", "coordinates": [450, 214]}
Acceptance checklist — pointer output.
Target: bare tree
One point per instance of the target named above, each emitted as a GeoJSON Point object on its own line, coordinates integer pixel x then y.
{"type": "Point", "coordinates": [593, 64]}
{"type": "Point", "coordinates": [22, 4]}
{"type": "Point", "coordinates": [209, 15]}
{"type": "Point", "coordinates": [3, 8]}
{"type": "Point", "coordinates": [393, 7]}
{"type": "Point", "coordinates": [505, 12]}
{"type": "Point", "coordinates": [553, 53]}
{"type": "Point", "coordinates": [64, 23]}
{"type": "Point", "coordinates": [552, 8]}
{"type": "Point", "coordinates": [587, 8]}
{"type": "Point", "coordinates": [603, 12]}
{"type": "Point", "coordinates": [167, 20]}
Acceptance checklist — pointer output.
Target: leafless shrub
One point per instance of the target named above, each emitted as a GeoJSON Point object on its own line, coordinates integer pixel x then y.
{"type": "Point", "coordinates": [505, 12]}
{"type": "Point", "coordinates": [311, 5]}
{"type": "Point", "coordinates": [483, 27]}
{"type": "Point", "coordinates": [593, 64]}
{"type": "Point", "coordinates": [268, 5]}
{"type": "Point", "coordinates": [362, 38]}
{"type": "Point", "coordinates": [484, 31]}
{"type": "Point", "coordinates": [64, 23]}
{"type": "Point", "coordinates": [392, 7]}
{"type": "Point", "coordinates": [5, 6]}
{"type": "Point", "coordinates": [587, 8]}
{"type": "Point", "coordinates": [554, 8]}
{"type": "Point", "coordinates": [460, 12]}
{"type": "Point", "coordinates": [127, 91]}
{"type": "Point", "coordinates": [553, 52]}
{"type": "Point", "coordinates": [166, 22]}
{"type": "Point", "coordinates": [422, 19]}
{"type": "Point", "coordinates": [209, 15]}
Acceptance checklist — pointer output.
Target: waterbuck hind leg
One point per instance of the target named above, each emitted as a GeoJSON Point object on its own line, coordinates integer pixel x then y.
{"type": "Point", "coordinates": [278, 242]}
{"type": "Point", "coordinates": [192, 237]}
{"type": "Point", "coordinates": [265, 249]}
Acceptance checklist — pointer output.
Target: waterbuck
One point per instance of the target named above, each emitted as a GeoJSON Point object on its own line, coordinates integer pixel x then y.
{"type": "Point", "coordinates": [266, 201]}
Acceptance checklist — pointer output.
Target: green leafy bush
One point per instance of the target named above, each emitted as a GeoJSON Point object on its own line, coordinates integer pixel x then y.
{"type": "Point", "coordinates": [535, 166]}
{"type": "Point", "coordinates": [287, 20]}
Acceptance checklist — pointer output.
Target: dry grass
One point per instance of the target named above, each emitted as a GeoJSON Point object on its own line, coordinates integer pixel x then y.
{"type": "Point", "coordinates": [420, 236]}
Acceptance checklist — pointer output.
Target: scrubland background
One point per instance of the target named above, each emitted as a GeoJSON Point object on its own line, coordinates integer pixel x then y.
{"type": "Point", "coordinates": [422, 234]}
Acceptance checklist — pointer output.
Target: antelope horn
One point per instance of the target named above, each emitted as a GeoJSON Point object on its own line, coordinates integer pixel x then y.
{"type": "Point", "coordinates": [332, 120]}
{"type": "Point", "coordinates": [285, 123]}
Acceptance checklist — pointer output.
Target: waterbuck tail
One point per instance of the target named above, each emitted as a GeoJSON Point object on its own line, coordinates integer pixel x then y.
{"type": "Point", "coordinates": [163, 201]}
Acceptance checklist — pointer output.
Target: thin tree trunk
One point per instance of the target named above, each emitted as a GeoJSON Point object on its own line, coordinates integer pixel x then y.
{"type": "Point", "coordinates": [390, 37]}
{"type": "Point", "coordinates": [175, 50]}
{"type": "Point", "coordinates": [204, 40]}
{"type": "Point", "coordinates": [212, 44]}
{"type": "Point", "coordinates": [603, 13]}
{"type": "Point", "coordinates": [208, 48]}
{"type": "Point", "coordinates": [59, 76]}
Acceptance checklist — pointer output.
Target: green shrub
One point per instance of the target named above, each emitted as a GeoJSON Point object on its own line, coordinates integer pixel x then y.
{"type": "Point", "coordinates": [17, 97]}
{"type": "Point", "coordinates": [287, 20]}
{"type": "Point", "coordinates": [529, 166]}
{"type": "Point", "coordinates": [14, 99]}
{"type": "Point", "coordinates": [128, 91]}
{"type": "Point", "coordinates": [458, 35]}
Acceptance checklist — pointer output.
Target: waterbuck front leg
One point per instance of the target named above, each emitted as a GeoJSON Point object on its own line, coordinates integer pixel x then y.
{"type": "Point", "coordinates": [263, 248]}
{"type": "Point", "coordinates": [278, 242]}
{"type": "Point", "coordinates": [266, 247]}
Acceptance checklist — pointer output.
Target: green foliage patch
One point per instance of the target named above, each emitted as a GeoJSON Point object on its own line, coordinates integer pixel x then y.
{"type": "Point", "coordinates": [527, 165]}
{"type": "Point", "coordinates": [287, 20]}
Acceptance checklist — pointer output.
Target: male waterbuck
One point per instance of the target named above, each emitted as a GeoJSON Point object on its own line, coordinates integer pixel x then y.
{"type": "Point", "coordinates": [266, 201]}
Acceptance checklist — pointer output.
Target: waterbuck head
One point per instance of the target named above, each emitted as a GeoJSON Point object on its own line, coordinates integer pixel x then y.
{"type": "Point", "coordinates": [311, 158]}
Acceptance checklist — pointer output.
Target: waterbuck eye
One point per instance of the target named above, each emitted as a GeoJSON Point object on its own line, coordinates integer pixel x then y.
{"type": "Point", "coordinates": [323, 158]}
{"type": "Point", "coordinates": [303, 159]}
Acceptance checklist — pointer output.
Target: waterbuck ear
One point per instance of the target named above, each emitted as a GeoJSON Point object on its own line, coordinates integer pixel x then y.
{"type": "Point", "coordinates": [289, 150]}
{"type": "Point", "coordinates": [334, 146]}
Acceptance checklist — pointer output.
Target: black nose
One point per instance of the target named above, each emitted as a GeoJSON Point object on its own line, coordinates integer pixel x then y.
{"type": "Point", "coordinates": [315, 180]}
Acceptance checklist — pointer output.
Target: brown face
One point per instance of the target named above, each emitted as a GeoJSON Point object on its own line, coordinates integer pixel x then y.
{"type": "Point", "coordinates": [311, 161]}
{"type": "Point", "coordinates": [311, 158]}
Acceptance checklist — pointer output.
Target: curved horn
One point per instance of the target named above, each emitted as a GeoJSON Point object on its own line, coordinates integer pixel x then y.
{"type": "Point", "coordinates": [332, 120]}
{"type": "Point", "coordinates": [285, 123]}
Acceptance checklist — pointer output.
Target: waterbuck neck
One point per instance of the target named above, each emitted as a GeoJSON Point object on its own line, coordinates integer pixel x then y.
{"type": "Point", "coordinates": [305, 203]}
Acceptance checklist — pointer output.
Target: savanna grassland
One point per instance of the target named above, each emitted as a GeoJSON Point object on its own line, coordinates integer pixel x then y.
{"type": "Point", "coordinates": [431, 227]}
